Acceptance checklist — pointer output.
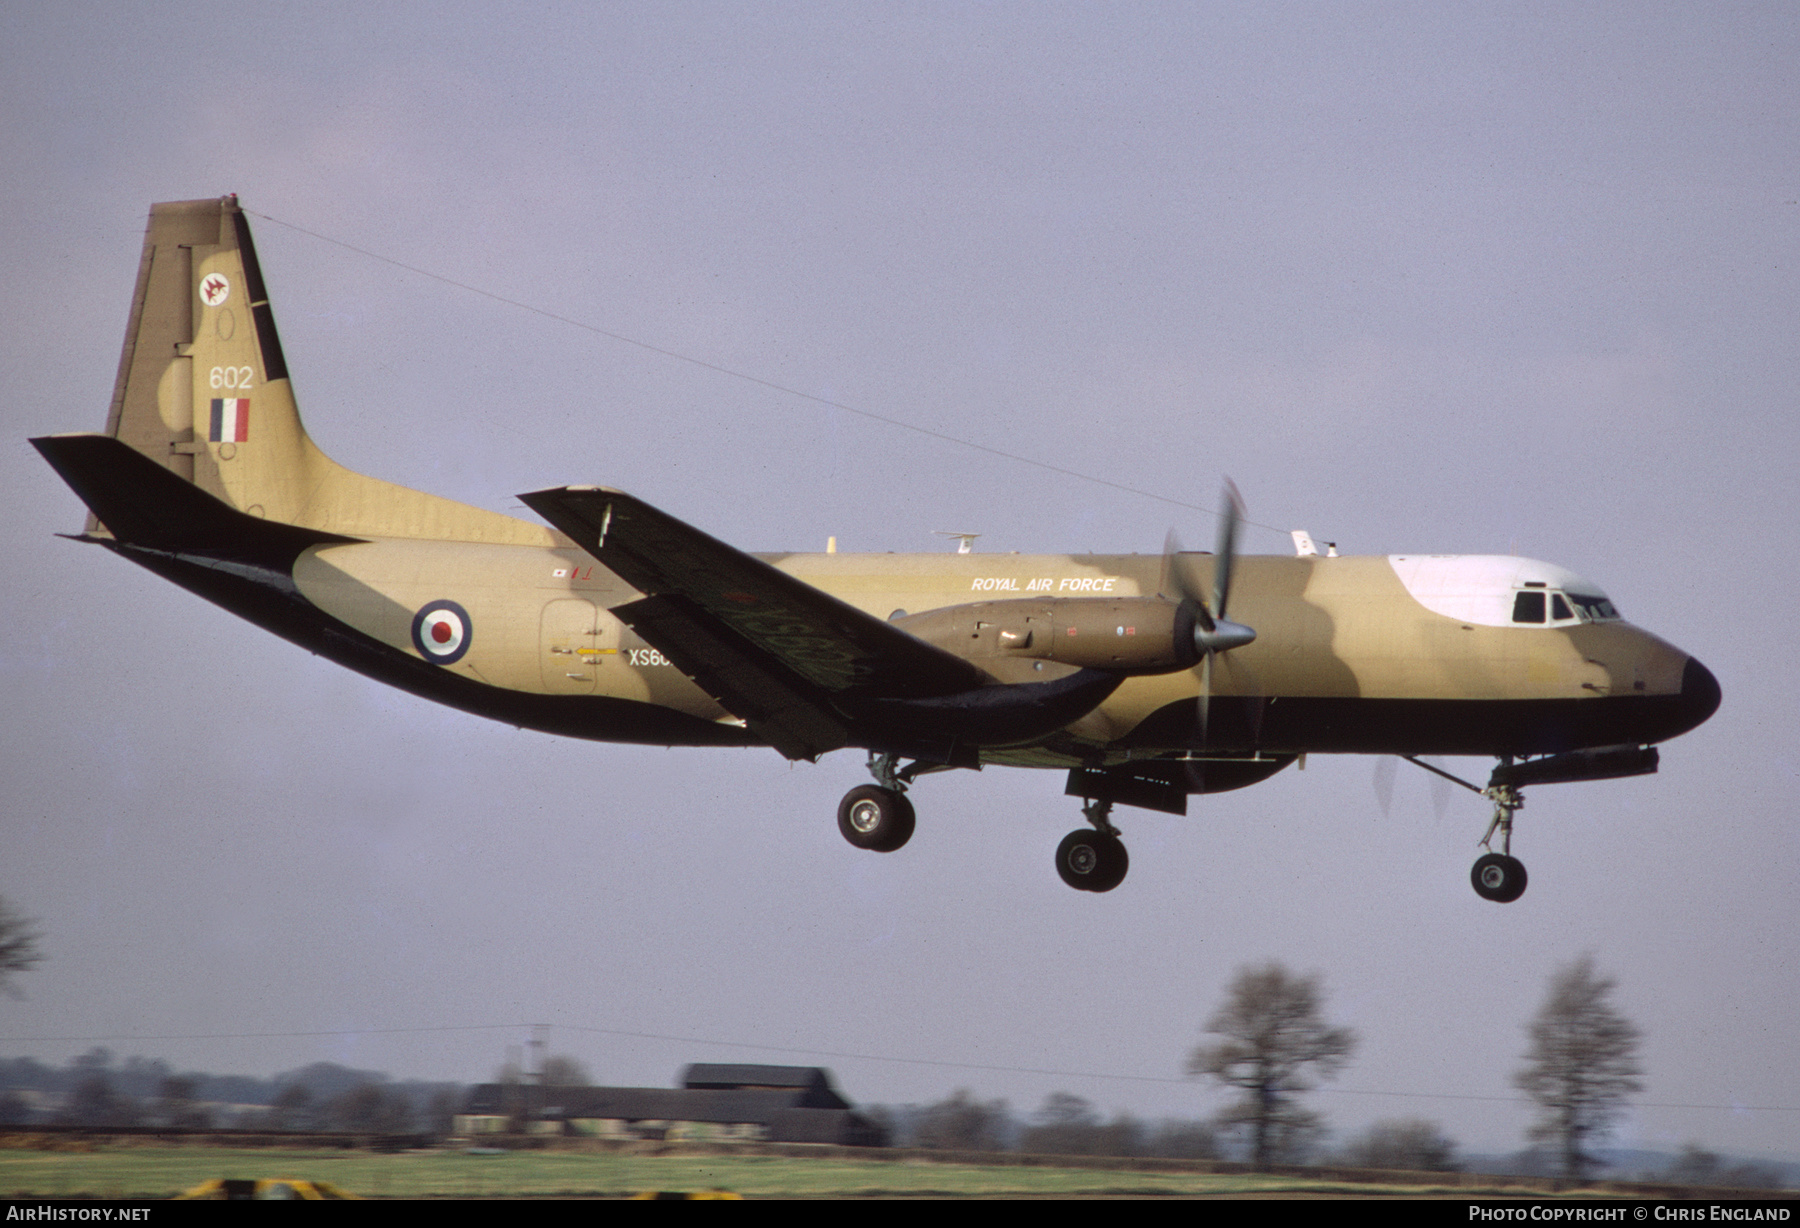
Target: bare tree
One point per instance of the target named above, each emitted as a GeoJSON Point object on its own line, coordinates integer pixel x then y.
{"type": "Point", "coordinates": [15, 1110]}
{"type": "Point", "coordinates": [293, 1109]}
{"type": "Point", "coordinates": [1065, 1125]}
{"type": "Point", "coordinates": [1183, 1140]}
{"type": "Point", "coordinates": [178, 1104]}
{"type": "Point", "coordinates": [963, 1123]}
{"type": "Point", "coordinates": [369, 1108]}
{"type": "Point", "coordinates": [1698, 1166]}
{"type": "Point", "coordinates": [441, 1111]}
{"type": "Point", "coordinates": [561, 1070]}
{"type": "Point", "coordinates": [1409, 1144]}
{"type": "Point", "coordinates": [1274, 1036]}
{"type": "Point", "coordinates": [1581, 1066]}
{"type": "Point", "coordinates": [18, 946]}
{"type": "Point", "coordinates": [1069, 1125]}
{"type": "Point", "coordinates": [94, 1101]}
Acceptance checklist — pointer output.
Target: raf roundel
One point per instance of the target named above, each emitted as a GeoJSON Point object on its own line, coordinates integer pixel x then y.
{"type": "Point", "coordinates": [440, 631]}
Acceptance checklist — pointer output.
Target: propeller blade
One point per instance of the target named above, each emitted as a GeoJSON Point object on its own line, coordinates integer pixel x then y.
{"type": "Point", "coordinates": [1180, 582]}
{"type": "Point", "coordinates": [1226, 555]}
{"type": "Point", "coordinates": [1213, 632]}
{"type": "Point", "coordinates": [1223, 634]}
{"type": "Point", "coordinates": [1385, 766]}
{"type": "Point", "coordinates": [1248, 691]}
{"type": "Point", "coordinates": [1204, 712]}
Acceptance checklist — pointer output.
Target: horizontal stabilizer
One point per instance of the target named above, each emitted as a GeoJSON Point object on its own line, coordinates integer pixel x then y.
{"type": "Point", "coordinates": [143, 504]}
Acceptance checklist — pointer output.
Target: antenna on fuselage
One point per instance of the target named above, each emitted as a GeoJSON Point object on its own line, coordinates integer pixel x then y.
{"type": "Point", "coordinates": [1304, 545]}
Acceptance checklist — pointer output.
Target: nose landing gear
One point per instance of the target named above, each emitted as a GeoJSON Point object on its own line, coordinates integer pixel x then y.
{"type": "Point", "coordinates": [1500, 877]}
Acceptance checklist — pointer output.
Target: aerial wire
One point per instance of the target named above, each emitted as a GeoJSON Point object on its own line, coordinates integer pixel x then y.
{"type": "Point", "coordinates": [758, 380]}
{"type": "Point", "coordinates": [885, 420]}
{"type": "Point", "coordinates": [829, 1053]}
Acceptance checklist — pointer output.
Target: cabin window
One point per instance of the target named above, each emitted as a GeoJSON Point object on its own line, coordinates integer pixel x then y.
{"type": "Point", "coordinates": [1529, 607]}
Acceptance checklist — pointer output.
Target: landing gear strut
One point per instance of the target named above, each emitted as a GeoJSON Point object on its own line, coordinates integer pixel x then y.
{"type": "Point", "coordinates": [1500, 877]}
{"type": "Point", "coordinates": [1093, 859]}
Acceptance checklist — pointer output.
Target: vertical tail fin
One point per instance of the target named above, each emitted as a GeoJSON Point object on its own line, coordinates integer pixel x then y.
{"type": "Point", "coordinates": [203, 387]}
{"type": "Point", "coordinates": [203, 390]}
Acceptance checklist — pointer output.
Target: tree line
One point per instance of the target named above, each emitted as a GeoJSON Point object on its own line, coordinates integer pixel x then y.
{"type": "Point", "coordinates": [1274, 1045]}
{"type": "Point", "coordinates": [1580, 1069]}
{"type": "Point", "coordinates": [95, 1090]}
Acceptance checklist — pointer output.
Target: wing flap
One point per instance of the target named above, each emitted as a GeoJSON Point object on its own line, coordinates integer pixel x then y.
{"type": "Point", "coordinates": [830, 646]}
{"type": "Point", "coordinates": [776, 706]}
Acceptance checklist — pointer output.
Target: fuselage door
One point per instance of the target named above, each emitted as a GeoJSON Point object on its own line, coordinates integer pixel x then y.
{"type": "Point", "coordinates": [570, 646]}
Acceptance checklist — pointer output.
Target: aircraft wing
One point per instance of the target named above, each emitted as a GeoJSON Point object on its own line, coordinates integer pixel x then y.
{"type": "Point", "coordinates": [774, 650]}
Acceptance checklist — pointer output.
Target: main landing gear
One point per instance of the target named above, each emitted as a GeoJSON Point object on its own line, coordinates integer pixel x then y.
{"type": "Point", "coordinates": [879, 817]}
{"type": "Point", "coordinates": [1093, 859]}
{"type": "Point", "coordinates": [875, 818]}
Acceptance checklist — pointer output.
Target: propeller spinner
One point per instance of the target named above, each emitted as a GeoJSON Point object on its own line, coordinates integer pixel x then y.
{"type": "Point", "coordinates": [1213, 632]}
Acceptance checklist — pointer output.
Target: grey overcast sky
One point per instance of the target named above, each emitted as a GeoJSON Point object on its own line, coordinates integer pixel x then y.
{"type": "Point", "coordinates": [1450, 278]}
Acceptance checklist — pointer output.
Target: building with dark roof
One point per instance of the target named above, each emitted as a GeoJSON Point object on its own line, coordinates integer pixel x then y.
{"type": "Point", "coordinates": [716, 1102]}
{"type": "Point", "coordinates": [812, 1084]}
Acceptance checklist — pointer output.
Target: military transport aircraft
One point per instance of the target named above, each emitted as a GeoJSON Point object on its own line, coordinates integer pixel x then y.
{"type": "Point", "coordinates": [618, 622]}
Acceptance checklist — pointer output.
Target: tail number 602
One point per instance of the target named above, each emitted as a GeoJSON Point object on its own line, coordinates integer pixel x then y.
{"type": "Point", "coordinates": [231, 377]}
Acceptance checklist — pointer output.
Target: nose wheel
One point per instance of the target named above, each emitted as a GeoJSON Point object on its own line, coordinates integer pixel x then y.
{"type": "Point", "coordinates": [1498, 877]}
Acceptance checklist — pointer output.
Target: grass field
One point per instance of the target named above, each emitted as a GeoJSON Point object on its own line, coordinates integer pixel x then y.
{"type": "Point", "coordinates": [148, 1171]}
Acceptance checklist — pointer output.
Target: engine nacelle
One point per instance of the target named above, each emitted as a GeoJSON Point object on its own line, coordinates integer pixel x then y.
{"type": "Point", "coordinates": [1129, 635]}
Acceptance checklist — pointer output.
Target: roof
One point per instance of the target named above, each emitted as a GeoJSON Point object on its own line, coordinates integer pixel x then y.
{"type": "Point", "coordinates": [784, 1112]}
{"type": "Point", "coordinates": [811, 1083]}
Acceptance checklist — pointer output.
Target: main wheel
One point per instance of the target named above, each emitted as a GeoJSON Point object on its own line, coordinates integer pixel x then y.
{"type": "Point", "coordinates": [1499, 878]}
{"type": "Point", "coordinates": [876, 818]}
{"type": "Point", "coordinates": [1090, 860]}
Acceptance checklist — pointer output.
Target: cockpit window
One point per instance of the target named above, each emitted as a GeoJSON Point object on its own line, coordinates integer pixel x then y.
{"type": "Point", "coordinates": [1538, 606]}
{"type": "Point", "coordinates": [1482, 590]}
{"type": "Point", "coordinates": [1593, 609]}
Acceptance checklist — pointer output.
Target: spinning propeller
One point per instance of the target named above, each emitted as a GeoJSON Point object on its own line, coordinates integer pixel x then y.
{"type": "Point", "coordinates": [1214, 634]}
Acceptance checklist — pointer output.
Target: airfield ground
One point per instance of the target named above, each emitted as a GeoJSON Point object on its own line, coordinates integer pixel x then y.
{"type": "Point", "coordinates": [151, 1170]}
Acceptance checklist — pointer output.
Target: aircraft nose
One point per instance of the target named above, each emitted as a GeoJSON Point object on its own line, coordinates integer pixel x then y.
{"type": "Point", "coordinates": [1700, 695]}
